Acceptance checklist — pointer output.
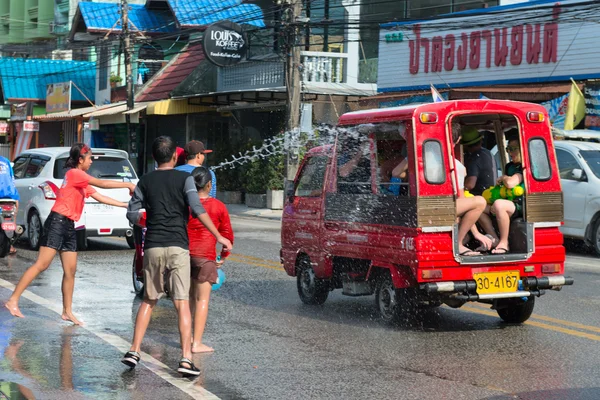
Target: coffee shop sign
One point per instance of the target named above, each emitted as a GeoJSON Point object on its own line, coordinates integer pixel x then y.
{"type": "Point", "coordinates": [530, 43]}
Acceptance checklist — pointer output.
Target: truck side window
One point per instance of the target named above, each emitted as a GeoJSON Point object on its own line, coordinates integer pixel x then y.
{"type": "Point", "coordinates": [540, 164]}
{"type": "Point", "coordinates": [312, 176]}
{"type": "Point", "coordinates": [433, 162]}
{"type": "Point", "coordinates": [354, 168]}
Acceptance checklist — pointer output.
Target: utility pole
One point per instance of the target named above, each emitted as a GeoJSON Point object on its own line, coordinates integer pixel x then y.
{"type": "Point", "coordinates": [126, 38]}
{"type": "Point", "coordinates": [293, 85]}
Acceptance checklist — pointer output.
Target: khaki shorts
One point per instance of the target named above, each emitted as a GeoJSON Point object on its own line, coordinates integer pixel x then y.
{"type": "Point", "coordinates": [174, 262]}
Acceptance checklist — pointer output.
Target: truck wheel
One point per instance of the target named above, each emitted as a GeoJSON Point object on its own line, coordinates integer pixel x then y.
{"type": "Point", "coordinates": [311, 289]}
{"type": "Point", "coordinates": [138, 283]}
{"type": "Point", "coordinates": [393, 303]}
{"type": "Point", "coordinates": [516, 313]}
{"type": "Point", "coordinates": [81, 240]}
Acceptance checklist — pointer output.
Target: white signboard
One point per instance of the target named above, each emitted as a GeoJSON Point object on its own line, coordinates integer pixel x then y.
{"type": "Point", "coordinates": [31, 126]}
{"type": "Point", "coordinates": [503, 46]}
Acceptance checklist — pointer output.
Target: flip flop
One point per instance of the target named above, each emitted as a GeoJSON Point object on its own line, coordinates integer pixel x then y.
{"type": "Point", "coordinates": [500, 250]}
{"type": "Point", "coordinates": [469, 253]}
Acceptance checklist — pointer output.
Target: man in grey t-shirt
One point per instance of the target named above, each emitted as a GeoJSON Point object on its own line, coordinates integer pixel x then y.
{"type": "Point", "coordinates": [478, 161]}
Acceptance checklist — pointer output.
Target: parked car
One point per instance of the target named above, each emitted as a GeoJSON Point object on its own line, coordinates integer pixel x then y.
{"type": "Point", "coordinates": [38, 176]}
{"type": "Point", "coordinates": [579, 169]}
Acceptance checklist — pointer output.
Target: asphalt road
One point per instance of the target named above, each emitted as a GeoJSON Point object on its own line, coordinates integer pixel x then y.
{"type": "Point", "coordinates": [271, 346]}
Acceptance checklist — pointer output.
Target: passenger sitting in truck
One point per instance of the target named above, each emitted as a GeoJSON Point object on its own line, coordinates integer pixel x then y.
{"type": "Point", "coordinates": [390, 156]}
{"type": "Point", "coordinates": [504, 209]}
{"type": "Point", "coordinates": [354, 168]}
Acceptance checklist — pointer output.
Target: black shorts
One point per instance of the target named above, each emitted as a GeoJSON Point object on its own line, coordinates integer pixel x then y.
{"type": "Point", "coordinates": [59, 233]}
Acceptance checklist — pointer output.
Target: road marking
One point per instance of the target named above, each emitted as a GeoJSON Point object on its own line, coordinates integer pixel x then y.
{"type": "Point", "coordinates": [152, 364]}
{"type": "Point", "coordinates": [250, 262]}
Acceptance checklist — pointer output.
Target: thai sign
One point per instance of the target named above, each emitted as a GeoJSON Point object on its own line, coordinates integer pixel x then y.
{"type": "Point", "coordinates": [505, 45]}
{"type": "Point", "coordinates": [31, 126]}
{"type": "Point", "coordinates": [58, 97]}
{"type": "Point", "coordinates": [224, 43]}
{"type": "Point", "coordinates": [591, 92]}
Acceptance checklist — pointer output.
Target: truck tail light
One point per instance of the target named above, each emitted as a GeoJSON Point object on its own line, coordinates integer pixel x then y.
{"type": "Point", "coordinates": [550, 268]}
{"type": "Point", "coordinates": [535, 116]}
{"type": "Point", "coordinates": [428, 117]}
{"type": "Point", "coordinates": [431, 274]}
{"type": "Point", "coordinates": [50, 190]}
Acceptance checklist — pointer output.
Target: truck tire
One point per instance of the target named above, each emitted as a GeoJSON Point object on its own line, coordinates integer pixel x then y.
{"type": "Point", "coordinates": [395, 304]}
{"type": "Point", "coordinates": [311, 289]}
{"type": "Point", "coordinates": [516, 313]}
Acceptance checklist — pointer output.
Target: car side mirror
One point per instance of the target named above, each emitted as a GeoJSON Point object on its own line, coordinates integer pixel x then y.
{"type": "Point", "coordinates": [289, 190]}
{"type": "Point", "coordinates": [578, 175]}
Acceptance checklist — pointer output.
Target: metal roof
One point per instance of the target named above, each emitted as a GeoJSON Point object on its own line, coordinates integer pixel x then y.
{"type": "Point", "coordinates": [104, 16]}
{"type": "Point", "coordinates": [78, 112]}
{"type": "Point", "coordinates": [205, 12]}
{"type": "Point", "coordinates": [26, 78]}
{"type": "Point", "coordinates": [118, 109]}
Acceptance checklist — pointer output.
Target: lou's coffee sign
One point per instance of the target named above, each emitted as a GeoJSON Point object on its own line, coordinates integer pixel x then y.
{"type": "Point", "coordinates": [501, 46]}
{"type": "Point", "coordinates": [225, 43]}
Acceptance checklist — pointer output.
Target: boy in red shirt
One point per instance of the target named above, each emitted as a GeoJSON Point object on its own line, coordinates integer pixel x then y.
{"type": "Point", "coordinates": [203, 254]}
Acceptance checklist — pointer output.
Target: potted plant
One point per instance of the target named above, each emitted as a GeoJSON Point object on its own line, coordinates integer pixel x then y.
{"type": "Point", "coordinates": [115, 80]}
{"type": "Point", "coordinates": [256, 184]}
{"type": "Point", "coordinates": [275, 174]}
{"type": "Point", "coordinates": [229, 184]}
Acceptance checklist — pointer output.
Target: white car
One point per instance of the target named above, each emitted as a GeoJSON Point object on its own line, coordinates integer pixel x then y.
{"type": "Point", "coordinates": [579, 168]}
{"type": "Point", "coordinates": [39, 174]}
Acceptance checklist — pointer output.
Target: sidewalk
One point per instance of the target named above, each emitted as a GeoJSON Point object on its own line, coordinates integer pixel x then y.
{"type": "Point", "coordinates": [242, 210]}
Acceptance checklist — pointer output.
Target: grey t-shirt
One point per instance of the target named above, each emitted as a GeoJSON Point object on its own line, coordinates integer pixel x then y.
{"type": "Point", "coordinates": [481, 165]}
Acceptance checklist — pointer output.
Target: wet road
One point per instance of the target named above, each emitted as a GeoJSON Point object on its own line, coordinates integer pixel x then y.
{"type": "Point", "coordinates": [270, 346]}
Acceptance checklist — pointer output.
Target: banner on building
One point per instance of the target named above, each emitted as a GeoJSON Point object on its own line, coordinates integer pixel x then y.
{"type": "Point", "coordinates": [557, 110]}
{"type": "Point", "coordinates": [58, 97]}
{"type": "Point", "coordinates": [31, 126]}
{"type": "Point", "coordinates": [591, 92]}
{"type": "Point", "coordinates": [3, 128]}
{"type": "Point", "coordinates": [20, 112]}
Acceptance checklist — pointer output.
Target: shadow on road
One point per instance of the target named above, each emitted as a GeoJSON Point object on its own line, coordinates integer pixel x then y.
{"type": "Point", "coordinates": [556, 394]}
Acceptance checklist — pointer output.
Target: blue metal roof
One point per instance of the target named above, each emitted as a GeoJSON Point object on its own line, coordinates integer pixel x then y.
{"type": "Point", "coordinates": [205, 12]}
{"type": "Point", "coordinates": [102, 16]}
{"type": "Point", "coordinates": [26, 78]}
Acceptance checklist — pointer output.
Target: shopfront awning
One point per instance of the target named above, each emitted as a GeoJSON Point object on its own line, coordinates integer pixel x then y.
{"type": "Point", "coordinates": [66, 115]}
{"type": "Point", "coordinates": [137, 108]}
{"type": "Point", "coordinates": [174, 107]}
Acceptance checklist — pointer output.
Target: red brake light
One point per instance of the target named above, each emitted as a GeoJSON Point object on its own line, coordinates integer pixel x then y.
{"type": "Point", "coordinates": [431, 274]}
{"type": "Point", "coordinates": [50, 190]}
{"type": "Point", "coordinates": [428, 117]}
{"type": "Point", "coordinates": [535, 116]}
{"type": "Point", "coordinates": [550, 268]}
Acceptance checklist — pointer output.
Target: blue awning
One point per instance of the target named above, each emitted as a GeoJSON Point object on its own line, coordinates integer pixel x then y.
{"type": "Point", "coordinates": [190, 13]}
{"type": "Point", "coordinates": [103, 16]}
{"type": "Point", "coordinates": [26, 78]}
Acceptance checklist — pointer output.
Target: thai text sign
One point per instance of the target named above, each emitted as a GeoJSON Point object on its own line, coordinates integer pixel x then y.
{"type": "Point", "coordinates": [591, 92]}
{"type": "Point", "coordinates": [523, 44]}
{"type": "Point", "coordinates": [31, 126]}
{"type": "Point", "coordinates": [58, 97]}
{"type": "Point", "coordinates": [3, 128]}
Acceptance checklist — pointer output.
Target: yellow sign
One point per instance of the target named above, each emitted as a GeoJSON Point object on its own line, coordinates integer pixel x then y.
{"type": "Point", "coordinates": [497, 282]}
{"type": "Point", "coordinates": [58, 97]}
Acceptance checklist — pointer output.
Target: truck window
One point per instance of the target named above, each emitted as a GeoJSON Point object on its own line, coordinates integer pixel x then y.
{"type": "Point", "coordinates": [433, 162]}
{"type": "Point", "coordinates": [540, 164]}
{"type": "Point", "coordinates": [312, 176]}
{"type": "Point", "coordinates": [354, 167]}
{"type": "Point", "coordinates": [392, 166]}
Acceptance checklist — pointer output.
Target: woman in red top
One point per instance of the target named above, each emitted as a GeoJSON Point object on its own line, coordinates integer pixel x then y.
{"type": "Point", "coordinates": [203, 254]}
{"type": "Point", "coordinates": [59, 229]}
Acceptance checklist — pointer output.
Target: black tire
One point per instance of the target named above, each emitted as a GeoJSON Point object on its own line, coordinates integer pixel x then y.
{"type": "Point", "coordinates": [395, 304]}
{"type": "Point", "coordinates": [596, 238]}
{"type": "Point", "coordinates": [130, 241]}
{"type": "Point", "coordinates": [138, 284]}
{"type": "Point", "coordinates": [311, 289]}
{"type": "Point", "coordinates": [4, 245]}
{"type": "Point", "coordinates": [82, 243]}
{"type": "Point", "coordinates": [516, 312]}
{"type": "Point", "coordinates": [35, 229]}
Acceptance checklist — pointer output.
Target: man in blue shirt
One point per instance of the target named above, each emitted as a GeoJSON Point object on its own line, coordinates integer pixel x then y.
{"type": "Point", "coordinates": [195, 154]}
{"type": "Point", "coordinates": [7, 186]}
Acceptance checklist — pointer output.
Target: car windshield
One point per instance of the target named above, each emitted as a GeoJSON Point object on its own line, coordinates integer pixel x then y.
{"type": "Point", "coordinates": [592, 157]}
{"type": "Point", "coordinates": [102, 167]}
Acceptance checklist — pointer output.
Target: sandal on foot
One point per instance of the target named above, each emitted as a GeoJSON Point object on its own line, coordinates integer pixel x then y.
{"type": "Point", "coordinates": [131, 359]}
{"type": "Point", "coordinates": [469, 253]}
{"type": "Point", "coordinates": [189, 369]}
{"type": "Point", "coordinates": [500, 250]}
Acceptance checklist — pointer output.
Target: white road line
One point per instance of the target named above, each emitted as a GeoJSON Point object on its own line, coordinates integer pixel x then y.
{"type": "Point", "coordinates": [158, 368]}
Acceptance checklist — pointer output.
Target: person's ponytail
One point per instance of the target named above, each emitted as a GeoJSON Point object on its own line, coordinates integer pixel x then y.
{"type": "Point", "coordinates": [78, 150]}
{"type": "Point", "coordinates": [201, 177]}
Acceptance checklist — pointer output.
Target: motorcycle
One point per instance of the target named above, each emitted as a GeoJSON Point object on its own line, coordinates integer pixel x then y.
{"type": "Point", "coordinates": [10, 230]}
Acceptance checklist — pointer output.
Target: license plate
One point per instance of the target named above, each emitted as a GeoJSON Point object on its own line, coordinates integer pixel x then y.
{"type": "Point", "coordinates": [496, 282]}
{"type": "Point", "coordinates": [101, 207]}
{"type": "Point", "coordinates": [9, 226]}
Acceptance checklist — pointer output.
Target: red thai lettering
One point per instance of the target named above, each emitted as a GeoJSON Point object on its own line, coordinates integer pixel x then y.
{"type": "Point", "coordinates": [534, 47]}
{"type": "Point", "coordinates": [501, 49]}
{"type": "Point", "coordinates": [461, 53]}
{"type": "Point", "coordinates": [415, 50]}
{"type": "Point", "coordinates": [425, 44]}
{"type": "Point", "coordinates": [436, 54]}
{"type": "Point", "coordinates": [516, 45]}
{"type": "Point", "coordinates": [550, 48]}
{"type": "Point", "coordinates": [475, 46]}
{"type": "Point", "coordinates": [487, 36]}
{"type": "Point", "coordinates": [449, 52]}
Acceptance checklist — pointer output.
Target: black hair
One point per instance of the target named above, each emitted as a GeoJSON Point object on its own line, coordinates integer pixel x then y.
{"type": "Point", "coordinates": [201, 177]}
{"type": "Point", "coordinates": [78, 150]}
{"type": "Point", "coordinates": [163, 149]}
{"type": "Point", "coordinates": [190, 156]}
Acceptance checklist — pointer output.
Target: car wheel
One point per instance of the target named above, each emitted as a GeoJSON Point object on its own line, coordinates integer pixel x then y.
{"type": "Point", "coordinates": [516, 311]}
{"type": "Point", "coordinates": [311, 289]}
{"type": "Point", "coordinates": [138, 282]}
{"type": "Point", "coordinates": [596, 237]}
{"type": "Point", "coordinates": [130, 241]}
{"type": "Point", "coordinates": [81, 240]}
{"type": "Point", "coordinates": [34, 230]}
